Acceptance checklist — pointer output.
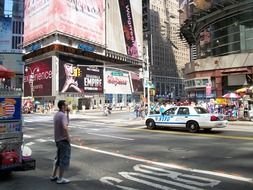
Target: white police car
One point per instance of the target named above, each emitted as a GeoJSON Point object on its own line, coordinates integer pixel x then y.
{"type": "Point", "coordinates": [189, 117]}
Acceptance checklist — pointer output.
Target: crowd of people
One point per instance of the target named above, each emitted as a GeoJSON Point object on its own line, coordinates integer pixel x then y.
{"type": "Point", "coordinates": [233, 111]}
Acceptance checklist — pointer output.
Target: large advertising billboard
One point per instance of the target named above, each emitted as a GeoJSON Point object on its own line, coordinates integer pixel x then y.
{"type": "Point", "coordinates": [39, 19]}
{"type": "Point", "coordinates": [82, 19]}
{"type": "Point", "coordinates": [117, 82]}
{"type": "Point", "coordinates": [88, 79]}
{"type": "Point", "coordinates": [5, 34]}
{"type": "Point", "coordinates": [38, 77]}
{"type": "Point", "coordinates": [124, 27]}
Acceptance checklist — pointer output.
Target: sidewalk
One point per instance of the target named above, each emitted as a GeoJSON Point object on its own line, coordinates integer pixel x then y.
{"type": "Point", "coordinates": [241, 123]}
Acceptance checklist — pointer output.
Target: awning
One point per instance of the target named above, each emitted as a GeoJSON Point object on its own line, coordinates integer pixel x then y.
{"type": "Point", "coordinates": [236, 70]}
{"type": "Point", "coordinates": [6, 73]}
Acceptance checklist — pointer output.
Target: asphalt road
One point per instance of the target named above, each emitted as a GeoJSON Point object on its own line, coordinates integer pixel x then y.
{"type": "Point", "coordinates": [117, 152]}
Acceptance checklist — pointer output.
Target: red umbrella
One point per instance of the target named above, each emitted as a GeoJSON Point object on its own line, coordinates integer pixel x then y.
{"type": "Point", "coordinates": [6, 73]}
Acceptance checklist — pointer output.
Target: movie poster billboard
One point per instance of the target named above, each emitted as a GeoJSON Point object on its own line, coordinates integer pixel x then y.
{"type": "Point", "coordinates": [38, 77]}
{"type": "Point", "coordinates": [128, 28]}
{"type": "Point", "coordinates": [5, 34]}
{"type": "Point", "coordinates": [82, 19]}
{"type": "Point", "coordinates": [117, 82]}
{"type": "Point", "coordinates": [89, 79]}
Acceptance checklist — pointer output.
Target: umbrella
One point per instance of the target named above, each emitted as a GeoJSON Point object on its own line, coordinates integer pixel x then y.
{"type": "Point", "coordinates": [231, 96]}
{"type": "Point", "coordinates": [6, 73]}
{"type": "Point", "coordinates": [37, 102]}
{"type": "Point", "coordinates": [242, 90]}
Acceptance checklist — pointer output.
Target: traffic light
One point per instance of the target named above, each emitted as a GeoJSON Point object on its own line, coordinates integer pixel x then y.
{"type": "Point", "coordinates": [75, 72]}
{"type": "Point", "coordinates": [78, 72]}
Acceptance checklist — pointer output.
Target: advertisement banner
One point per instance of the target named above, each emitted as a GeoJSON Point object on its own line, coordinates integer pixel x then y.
{"type": "Point", "coordinates": [82, 19]}
{"type": "Point", "coordinates": [117, 82]}
{"type": "Point", "coordinates": [137, 83]}
{"type": "Point", "coordinates": [10, 108]}
{"type": "Point", "coordinates": [38, 77]}
{"type": "Point", "coordinates": [5, 34]}
{"type": "Point", "coordinates": [208, 90]}
{"type": "Point", "coordinates": [39, 19]}
{"type": "Point", "coordinates": [88, 79]}
{"type": "Point", "coordinates": [128, 28]}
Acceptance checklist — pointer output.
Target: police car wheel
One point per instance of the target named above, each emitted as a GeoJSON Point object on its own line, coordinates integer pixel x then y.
{"type": "Point", "coordinates": [192, 126]}
{"type": "Point", "coordinates": [150, 124]}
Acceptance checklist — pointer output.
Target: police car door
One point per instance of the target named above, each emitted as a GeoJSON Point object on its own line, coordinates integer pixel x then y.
{"type": "Point", "coordinates": [182, 116]}
{"type": "Point", "coordinates": [168, 117]}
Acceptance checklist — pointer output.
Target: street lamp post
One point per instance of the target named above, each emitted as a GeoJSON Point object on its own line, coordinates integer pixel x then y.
{"type": "Point", "coordinates": [31, 78]}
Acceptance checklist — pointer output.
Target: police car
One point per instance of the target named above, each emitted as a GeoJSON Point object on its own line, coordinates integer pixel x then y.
{"type": "Point", "coordinates": [189, 117]}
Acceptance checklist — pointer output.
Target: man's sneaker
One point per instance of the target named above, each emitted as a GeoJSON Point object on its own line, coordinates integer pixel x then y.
{"type": "Point", "coordinates": [62, 181]}
{"type": "Point", "coordinates": [53, 178]}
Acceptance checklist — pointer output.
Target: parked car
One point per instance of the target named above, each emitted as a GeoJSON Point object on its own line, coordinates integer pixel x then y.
{"type": "Point", "coordinates": [189, 117]}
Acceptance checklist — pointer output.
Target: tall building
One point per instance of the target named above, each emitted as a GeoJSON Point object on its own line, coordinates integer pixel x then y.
{"type": "Point", "coordinates": [168, 52]}
{"type": "Point", "coordinates": [11, 39]}
{"type": "Point", "coordinates": [87, 52]}
{"type": "Point", "coordinates": [222, 32]}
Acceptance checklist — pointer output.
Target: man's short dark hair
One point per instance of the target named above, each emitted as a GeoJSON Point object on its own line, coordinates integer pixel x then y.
{"type": "Point", "coordinates": [61, 103]}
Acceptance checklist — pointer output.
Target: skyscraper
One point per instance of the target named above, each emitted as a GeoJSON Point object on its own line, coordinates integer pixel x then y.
{"type": "Point", "coordinates": [168, 52]}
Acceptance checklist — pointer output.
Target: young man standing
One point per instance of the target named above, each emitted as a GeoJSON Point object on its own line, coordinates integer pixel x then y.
{"type": "Point", "coordinates": [62, 140]}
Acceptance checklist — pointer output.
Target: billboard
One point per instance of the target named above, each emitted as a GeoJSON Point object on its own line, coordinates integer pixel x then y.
{"type": "Point", "coordinates": [89, 79]}
{"type": "Point", "coordinates": [5, 34]}
{"type": "Point", "coordinates": [117, 82]}
{"type": "Point", "coordinates": [82, 19]}
{"type": "Point", "coordinates": [128, 28]}
{"type": "Point", "coordinates": [137, 83]}
{"type": "Point", "coordinates": [40, 77]}
{"type": "Point", "coordinates": [124, 27]}
{"type": "Point", "coordinates": [39, 19]}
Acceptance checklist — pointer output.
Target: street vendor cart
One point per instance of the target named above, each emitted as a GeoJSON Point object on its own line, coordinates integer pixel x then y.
{"type": "Point", "coordinates": [11, 136]}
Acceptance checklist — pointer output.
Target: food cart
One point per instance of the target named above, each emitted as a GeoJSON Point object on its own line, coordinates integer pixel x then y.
{"type": "Point", "coordinates": [11, 136]}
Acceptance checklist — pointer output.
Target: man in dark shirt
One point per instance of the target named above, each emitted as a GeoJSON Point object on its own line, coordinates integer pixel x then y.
{"type": "Point", "coordinates": [62, 140]}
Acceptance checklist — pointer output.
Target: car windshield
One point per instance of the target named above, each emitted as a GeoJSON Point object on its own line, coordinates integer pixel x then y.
{"type": "Point", "coordinates": [200, 110]}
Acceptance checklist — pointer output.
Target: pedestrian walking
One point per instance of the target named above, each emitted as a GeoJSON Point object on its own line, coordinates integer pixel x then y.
{"type": "Point", "coordinates": [62, 140]}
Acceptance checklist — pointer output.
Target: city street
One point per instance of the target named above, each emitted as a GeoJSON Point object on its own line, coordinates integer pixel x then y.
{"type": "Point", "coordinates": [118, 152]}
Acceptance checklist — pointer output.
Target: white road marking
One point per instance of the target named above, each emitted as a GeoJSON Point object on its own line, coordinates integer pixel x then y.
{"type": "Point", "coordinates": [27, 136]}
{"type": "Point", "coordinates": [109, 180]}
{"type": "Point", "coordinates": [130, 176]}
{"type": "Point", "coordinates": [173, 166]}
{"type": "Point", "coordinates": [42, 140]}
{"type": "Point", "coordinates": [29, 144]}
{"type": "Point", "coordinates": [188, 179]}
{"type": "Point", "coordinates": [111, 136]}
